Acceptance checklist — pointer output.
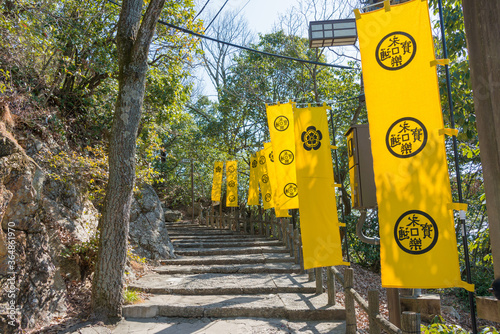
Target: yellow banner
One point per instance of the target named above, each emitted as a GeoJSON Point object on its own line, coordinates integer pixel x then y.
{"type": "Point", "coordinates": [232, 183]}
{"type": "Point", "coordinates": [318, 209]}
{"type": "Point", "coordinates": [418, 243]}
{"type": "Point", "coordinates": [253, 188]}
{"type": "Point", "coordinates": [281, 213]}
{"type": "Point", "coordinates": [265, 187]}
{"type": "Point", "coordinates": [280, 120]}
{"type": "Point", "coordinates": [217, 181]}
{"type": "Point", "coordinates": [271, 170]}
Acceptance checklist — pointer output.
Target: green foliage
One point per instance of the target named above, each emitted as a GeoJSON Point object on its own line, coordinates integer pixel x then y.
{"type": "Point", "coordinates": [459, 69]}
{"type": "Point", "coordinates": [133, 257]}
{"type": "Point", "coordinates": [88, 168]}
{"type": "Point", "coordinates": [362, 253]}
{"type": "Point", "coordinates": [438, 326]}
{"type": "Point", "coordinates": [85, 254]}
{"type": "Point", "coordinates": [131, 297]}
{"type": "Point", "coordinates": [4, 81]}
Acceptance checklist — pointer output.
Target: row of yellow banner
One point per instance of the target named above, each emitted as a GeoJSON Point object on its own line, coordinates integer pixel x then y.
{"type": "Point", "coordinates": [298, 157]}
{"type": "Point", "coordinates": [418, 241]}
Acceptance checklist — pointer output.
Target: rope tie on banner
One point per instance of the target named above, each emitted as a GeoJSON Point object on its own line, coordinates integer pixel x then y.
{"type": "Point", "coordinates": [441, 62]}
{"type": "Point", "coordinates": [387, 5]}
{"type": "Point", "coordinates": [448, 132]}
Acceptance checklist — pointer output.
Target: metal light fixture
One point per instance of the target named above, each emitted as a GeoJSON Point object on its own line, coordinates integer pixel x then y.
{"type": "Point", "coordinates": [332, 33]}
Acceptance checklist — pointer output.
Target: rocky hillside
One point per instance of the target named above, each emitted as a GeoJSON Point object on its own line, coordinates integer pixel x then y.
{"type": "Point", "coordinates": [48, 240]}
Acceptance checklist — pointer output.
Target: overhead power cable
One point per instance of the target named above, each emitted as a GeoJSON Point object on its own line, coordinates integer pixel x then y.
{"type": "Point", "coordinates": [201, 10]}
{"type": "Point", "coordinates": [187, 31]}
{"type": "Point", "coordinates": [220, 10]}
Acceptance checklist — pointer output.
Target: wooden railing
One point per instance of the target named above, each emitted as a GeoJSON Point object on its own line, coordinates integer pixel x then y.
{"type": "Point", "coordinates": [257, 223]}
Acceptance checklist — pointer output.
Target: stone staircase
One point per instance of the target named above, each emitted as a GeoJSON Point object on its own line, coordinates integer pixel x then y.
{"type": "Point", "coordinates": [225, 274]}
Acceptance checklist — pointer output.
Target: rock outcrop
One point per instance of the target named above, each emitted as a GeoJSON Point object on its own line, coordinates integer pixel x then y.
{"type": "Point", "coordinates": [148, 234]}
{"type": "Point", "coordinates": [39, 218]}
{"type": "Point", "coordinates": [172, 215]}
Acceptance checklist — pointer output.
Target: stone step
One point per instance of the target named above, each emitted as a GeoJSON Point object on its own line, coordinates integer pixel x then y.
{"type": "Point", "coordinates": [219, 326]}
{"type": "Point", "coordinates": [191, 232]}
{"type": "Point", "coordinates": [224, 284]}
{"type": "Point", "coordinates": [230, 251]}
{"type": "Point", "coordinates": [285, 268]}
{"type": "Point", "coordinates": [230, 259]}
{"type": "Point", "coordinates": [223, 243]}
{"type": "Point", "coordinates": [184, 225]}
{"type": "Point", "coordinates": [216, 237]}
{"type": "Point", "coordinates": [291, 306]}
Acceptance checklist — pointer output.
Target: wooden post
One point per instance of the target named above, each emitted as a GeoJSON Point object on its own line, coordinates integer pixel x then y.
{"type": "Point", "coordinates": [330, 284]}
{"type": "Point", "coordinates": [373, 311]}
{"type": "Point", "coordinates": [290, 236]}
{"type": "Point", "coordinates": [192, 190]}
{"type": "Point", "coordinates": [246, 221]}
{"type": "Point", "coordinates": [220, 215]}
{"type": "Point", "coordinates": [282, 230]}
{"type": "Point", "coordinates": [350, 310]}
{"type": "Point", "coordinates": [231, 220]}
{"type": "Point", "coordinates": [319, 280]}
{"type": "Point", "coordinates": [394, 306]}
{"type": "Point", "coordinates": [266, 223]}
{"type": "Point", "coordinates": [301, 255]}
{"type": "Point", "coordinates": [273, 227]}
{"type": "Point", "coordinates": [261, 223]}
{"type": "Point", "coordinates": [310, 273]}
{"type": "Point", "coordinates": [410, 323]}
{"type": "Point", "coordinates": [252, 223]}
{"type": "Point", "coordinates": [284, 224]}
{"type": "Point", "coordinates": [213, 222]}
{"type": "Point", "coordinates": [211, 217]}
{"type": "Point", "coordinates": [214, 219]}
{"type": "Point", "coordinates": [296, 246]}
{"type": "Point", "coordinates": [237, 219]}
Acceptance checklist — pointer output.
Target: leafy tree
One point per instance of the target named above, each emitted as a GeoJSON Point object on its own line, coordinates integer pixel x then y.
{"type": "Point", "coordinates": [134, 36]}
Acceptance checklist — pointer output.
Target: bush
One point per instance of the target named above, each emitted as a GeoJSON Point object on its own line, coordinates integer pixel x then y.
{"type": "Point", "coordinates": [438, 326]}
{"type": "Point", "coordinates": [85, 254]}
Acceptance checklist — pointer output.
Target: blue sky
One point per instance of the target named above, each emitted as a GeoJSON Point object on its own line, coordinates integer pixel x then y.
{"type": "Point", "coordinates": [260, 14]}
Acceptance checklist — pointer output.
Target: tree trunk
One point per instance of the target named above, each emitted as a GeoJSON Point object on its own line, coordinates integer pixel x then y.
{"type": "Point", "coordinates": [482, 29]}
{"type": "Point", "coordinates": [133, 40]}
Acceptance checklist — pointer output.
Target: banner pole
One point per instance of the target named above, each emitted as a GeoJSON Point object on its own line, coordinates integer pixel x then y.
{"type": "Point", "coordinates": [457, 170]}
